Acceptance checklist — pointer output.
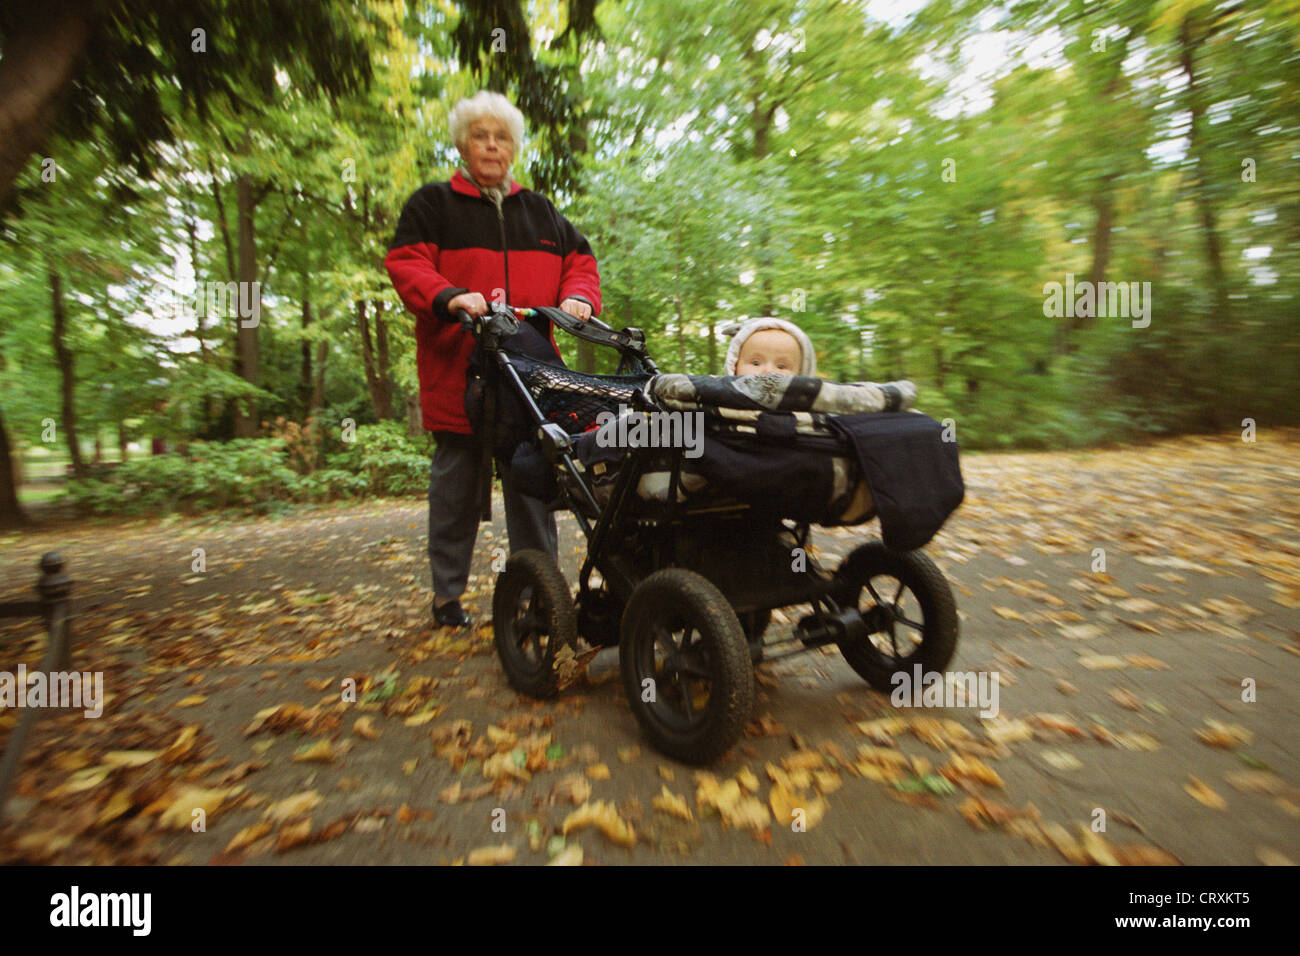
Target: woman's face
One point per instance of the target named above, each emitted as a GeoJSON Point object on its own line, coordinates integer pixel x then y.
{"type": "Point", "coordinates": [488, 151]}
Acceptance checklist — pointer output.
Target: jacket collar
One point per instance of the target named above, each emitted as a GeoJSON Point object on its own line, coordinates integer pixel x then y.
{"type": "Point", "coordinates": [462, 185]}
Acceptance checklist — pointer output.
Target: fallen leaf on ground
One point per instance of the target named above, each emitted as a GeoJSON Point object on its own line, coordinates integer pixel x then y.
{"type": "Point", "coordinates": [604, 816]}
{"type": "Point", "coordinates": [1103, 662]}
{"type": "Point", "coordinates": [248, 835]}
{"type": "Point", "coordinates": [672, 804]}
{"type": "Point", "coordinates": [971, 768]}
{"type": "Point", "coordinates": [419, 720]}
{"type": "Point", "coordinates": [570, 856]}
{"type": "Point", "coordinates": [1256, 781]}
{"type": "Point", "coordinates": [1062, 760]}
{"type": "Point", "coordinates": [180, 813]}
{"type": "Point", "coordinates": [1004, 730]}
{"type": "Point", "coordinates": [1096, 846]}
{"type": "Point", "coordinates": [574, 788]}
{"type": "Point", "coordinates": [292, 835]}
{"type": "Point", "coordinates": [129, 758]}
{"type": "Point", "coordinates": [294, 806]}
{"type": "Point", "coordinates": [1142, 854]}
{"type": "Point", "coordinates": [1203, 794]}
{"type": "Point", "coordinates": [1224, 736]}
{"type": "Point", "coordinates": [789, 808]}
{"type": "Point", "coordinates": [320, 752]}
{"type": "Point", "coordinates": [1065, 844]}
{"type": "Point", "coordinates": [1271, 857]}
{"type": "Point", "coordinates": [1125, 699]}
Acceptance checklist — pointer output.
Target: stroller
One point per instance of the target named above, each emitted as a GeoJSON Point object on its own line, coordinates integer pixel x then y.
{"type": "Point", "coordinates": [690, 549]}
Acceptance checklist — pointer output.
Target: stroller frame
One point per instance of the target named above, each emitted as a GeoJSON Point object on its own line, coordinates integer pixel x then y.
{"type": "Point", "coordinates": [686, 588]}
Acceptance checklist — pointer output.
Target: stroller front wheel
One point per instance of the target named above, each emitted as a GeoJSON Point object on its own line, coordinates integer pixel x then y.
{"type": "Point", "coordinates": [908, 608]}
{"type": "Point", "coordinates": [533, 618]}
{"type": "Point", "coordinates": [685, 666]}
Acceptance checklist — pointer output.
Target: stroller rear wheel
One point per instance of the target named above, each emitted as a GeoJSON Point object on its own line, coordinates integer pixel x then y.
{"type": "Point", "coordinates": [533, 618]}
{"type": "Point", "coordinates": [908, 608]}
{"type": "Point", "coordinates": [685, 666]}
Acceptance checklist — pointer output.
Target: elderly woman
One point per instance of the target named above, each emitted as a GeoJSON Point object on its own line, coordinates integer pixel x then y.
{"type": "Point", "coordinates": [459, 244]}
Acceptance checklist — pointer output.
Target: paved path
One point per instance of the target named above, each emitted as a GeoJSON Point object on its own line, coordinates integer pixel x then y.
{"type": "Point", "coordinates": [1105, 680]}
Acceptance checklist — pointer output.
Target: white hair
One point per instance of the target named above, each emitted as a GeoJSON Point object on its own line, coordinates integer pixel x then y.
{"type": "Point", "coordinates": [484, 105]}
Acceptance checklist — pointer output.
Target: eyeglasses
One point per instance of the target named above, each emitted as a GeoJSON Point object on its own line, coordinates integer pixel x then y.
{"type": "Point", "coordinates": [483, 136]}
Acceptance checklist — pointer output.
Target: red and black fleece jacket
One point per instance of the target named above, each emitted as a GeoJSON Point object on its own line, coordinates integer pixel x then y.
{"type": "Point", "coordinates": [450, 240]}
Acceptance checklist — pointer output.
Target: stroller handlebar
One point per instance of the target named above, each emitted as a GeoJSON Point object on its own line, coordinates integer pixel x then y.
{"type": "Point", "coordinates": [502, 321]}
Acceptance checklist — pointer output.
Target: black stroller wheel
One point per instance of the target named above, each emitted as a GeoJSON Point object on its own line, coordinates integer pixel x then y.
{"type": "Point", "coordinates": [909, 610]}
{"type": "Point", "coordinates": [533, 618]}
{"type": "Point", "coordinates": [685, 666]}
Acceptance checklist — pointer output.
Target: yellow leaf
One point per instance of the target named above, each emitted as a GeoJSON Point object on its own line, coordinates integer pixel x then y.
{"type": "Point", "coordinates": [192, 701]}
{"type": "Point", "coordinates": [294, 806]}
{"type": "Point", "coordinates": [789, 807]}
{"type": "Point", "coordinates": [570, 856]}
{"type": "Point", "coordinates": [118, 804]}
{"type": "Point", "coordinates": [419, 720]}
{"type": "Point", "coordinates": [1203, 794]}
{"type": "Point", "coordinates": [248, 835]}
{"type": "Point", "coordinates": [129, 758]}
{"type": "Point", "coordinates": [598, 771]}
{"type": "Point", "coordinates": [672, 804]}
{"type": "Point", "coordinates": [747, 780]}
{"type": "Point", "coordinates": [180, 813]}
{"type": "Point", "coordinates": [604, 817]}
{"type": "Point", "coordinates": [320, 752]}
{"type": "Point", "coordinates": [573, 788]}
{"type": "Point", "coordinates": [1095, 845]}
{"type": "Point", "coordinates": [365, 727]}
{"type": "Point", "coordinates": [971, 768]}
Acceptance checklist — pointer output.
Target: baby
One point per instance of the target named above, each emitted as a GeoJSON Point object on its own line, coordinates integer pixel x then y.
{"type": "Point", "coordinates": [770, 345]}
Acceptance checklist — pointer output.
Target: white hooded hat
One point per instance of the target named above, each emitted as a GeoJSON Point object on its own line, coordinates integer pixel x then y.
{"type": "Point", "coordinates": [741, 332]}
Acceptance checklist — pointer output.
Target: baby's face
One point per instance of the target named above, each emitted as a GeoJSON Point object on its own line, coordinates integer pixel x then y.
{"type": "Point", "coordinates": [771, 350]}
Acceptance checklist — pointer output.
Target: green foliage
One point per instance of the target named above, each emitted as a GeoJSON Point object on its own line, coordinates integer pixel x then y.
{"type": "Point", "coordinates": [255, 476]}
{"type": "Point", "coordinates": [390, 462]}
{"type": "Point", "coordinates": [800, 158]}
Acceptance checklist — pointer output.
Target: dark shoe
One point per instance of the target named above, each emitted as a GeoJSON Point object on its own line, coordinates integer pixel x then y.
{"type": "Point", "coordinates": [451, 615]}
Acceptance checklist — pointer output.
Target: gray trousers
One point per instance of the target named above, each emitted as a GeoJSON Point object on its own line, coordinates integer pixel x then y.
{"type": "Point", "coordinates": [454, 514]}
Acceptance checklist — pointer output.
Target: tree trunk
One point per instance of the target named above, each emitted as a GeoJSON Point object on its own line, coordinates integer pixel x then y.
{"type": "Point", "coordinates": [122, 442]}
{"type": "Point", "coordinates": [305, 379]}
{"type": "Point", "coordinates": [318, 387]}
{"type": "Point", "coordinates": [247, 356]}
{"type": "Point", "coordinates": [67, 376]}
{"type": "Point", "coordinates": [41, 53]}
{"type": "Point", "coordinates": [380, 395]}
{"type": "Point", "coordinates": [192, 231]}
{"type": "Point", "coordinates": [1103, 205]}
{"type": "Point", "coordinates": [383, 365]}
{"type": "Point", "coordinates": [414, 416]}
{"type": "Point", "coordinates": [1200, 183]}
{"type": "Point", "coordinates": [11, 513]}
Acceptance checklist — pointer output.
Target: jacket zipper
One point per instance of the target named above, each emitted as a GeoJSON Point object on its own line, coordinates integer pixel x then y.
{"type": "Point", "coordinates": [505, 250]}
